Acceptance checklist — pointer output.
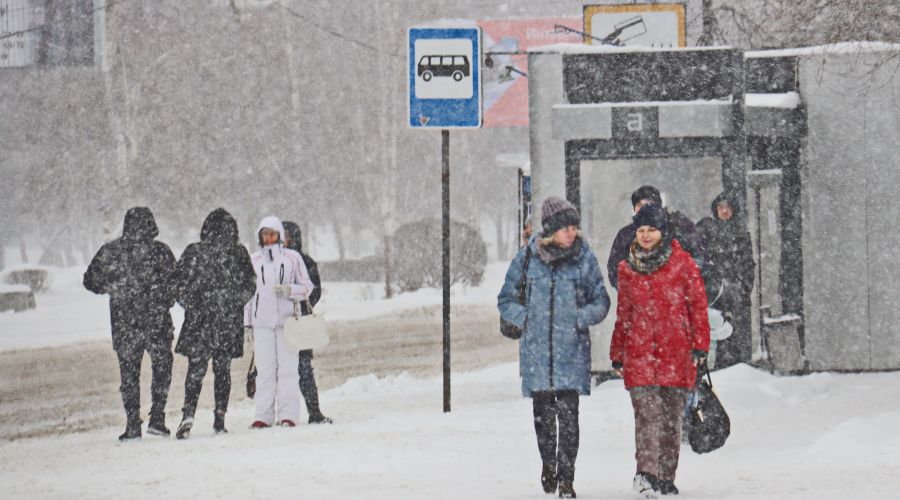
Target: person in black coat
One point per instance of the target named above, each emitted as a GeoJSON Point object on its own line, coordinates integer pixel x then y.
{"type": "Point", "coordinates": [681, 226]}
{"type": "Point", "coordinates": [137, 272]}
{"type": "Point", "coordinates": [214, 280]}
{"type": "Point", "coordinates": [307, 379]}
{"type": "Point", "coordinates": [729, 276]}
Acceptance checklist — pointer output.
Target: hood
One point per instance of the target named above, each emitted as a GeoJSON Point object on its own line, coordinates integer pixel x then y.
{"type": "Point", "coordinates": [271, 222]}
{"type": "Point", "coordinates": [219, 226]}
{"type": "Point", "coordinates": [139, 224]}
{"type": "Point", "coordinates": [295, 235]}
{"type": "Point", "coordinates": [725, 196]}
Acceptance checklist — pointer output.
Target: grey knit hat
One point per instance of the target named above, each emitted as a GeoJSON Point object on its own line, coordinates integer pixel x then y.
{"type": "Point", "coordinates": [557, 213]}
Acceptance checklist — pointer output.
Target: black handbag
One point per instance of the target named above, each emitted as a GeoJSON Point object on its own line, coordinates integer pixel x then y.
{"type": "Point", "coordinates": [709, 423]}
{"type": "Point", "coordinates": [251, 377]}
{"type": "Point", "coordinates": [508, 329]}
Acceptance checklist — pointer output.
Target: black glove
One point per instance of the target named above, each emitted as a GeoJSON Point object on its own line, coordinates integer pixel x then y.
{"type": "Point", "coordinates": [699, 356]}
{"type": "Point", "coordinates": [617, 365]}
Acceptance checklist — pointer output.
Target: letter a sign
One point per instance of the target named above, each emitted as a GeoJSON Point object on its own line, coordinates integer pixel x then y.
{"type": "Point", "coordinates": [635, 122]}
{"type": "Point", "coordinates": [444, 78]}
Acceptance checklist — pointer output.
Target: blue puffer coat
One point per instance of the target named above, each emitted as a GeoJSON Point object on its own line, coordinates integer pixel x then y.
{"type": "Point", "coordinates": [562, 301]}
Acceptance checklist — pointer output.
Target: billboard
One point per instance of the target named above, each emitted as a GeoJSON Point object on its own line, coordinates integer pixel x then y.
{"type": "Point", "coordinates": [506, 42]}
{"type": "Point", "coordinates": [647, 25]}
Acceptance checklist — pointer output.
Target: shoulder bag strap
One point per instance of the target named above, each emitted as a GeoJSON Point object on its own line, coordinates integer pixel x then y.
{"type": "Point", "coordinates": [522, 280]}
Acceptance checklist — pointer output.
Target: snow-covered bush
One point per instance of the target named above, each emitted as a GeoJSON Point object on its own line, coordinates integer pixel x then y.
{"type": "Point", "coordinates": [38, 278]}
{"type": "Point", "coordinates": [416, 255]}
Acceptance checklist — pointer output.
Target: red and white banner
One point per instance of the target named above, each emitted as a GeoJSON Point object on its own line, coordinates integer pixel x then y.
{"type": "Point", "coordinates": [505, 90]}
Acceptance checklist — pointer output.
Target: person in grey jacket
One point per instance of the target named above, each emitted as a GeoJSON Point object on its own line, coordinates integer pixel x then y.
{"type": "Point", "coordinates": [565, 295]}
{"type": "Point", "coordinates": [729, 275]}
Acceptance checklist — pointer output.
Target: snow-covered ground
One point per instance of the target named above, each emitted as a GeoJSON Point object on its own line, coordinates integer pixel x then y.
{"type": "Point", "coordinates": [69, 314]}
{"type": "Point", "coordinates": [824, 436]}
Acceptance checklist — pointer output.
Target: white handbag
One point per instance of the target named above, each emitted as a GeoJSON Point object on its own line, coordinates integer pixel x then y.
{"type": "Point", "coordinates": [302, 333]}
{"type": "Point", "coordinates": [719, 327]}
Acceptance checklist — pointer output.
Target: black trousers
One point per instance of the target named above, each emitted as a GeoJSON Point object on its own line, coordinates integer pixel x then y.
{"type": "Point", "coordinates": [556, 426]}
{"type": "Point", "coordinates": [193, 383]}
{"type": "Point", "coordinates": [160, 352]}
{"type": "Point", "coordinates": [738, 347]}
{"type": "Point", "coordinates": [308, 382]}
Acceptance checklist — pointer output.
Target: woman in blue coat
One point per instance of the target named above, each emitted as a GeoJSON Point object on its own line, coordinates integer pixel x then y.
{"type": "Point", "coordinates": [564, 296]}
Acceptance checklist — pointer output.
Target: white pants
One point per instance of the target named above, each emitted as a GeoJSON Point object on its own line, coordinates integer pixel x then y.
{"type": "Point", "coordinates": [277, 379]}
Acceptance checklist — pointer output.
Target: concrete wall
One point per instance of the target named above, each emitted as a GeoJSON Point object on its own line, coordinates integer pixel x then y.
{"type": "Point", "coordinates": [851, 188]}
{"type": "Point", "coordinates": [548, 155]}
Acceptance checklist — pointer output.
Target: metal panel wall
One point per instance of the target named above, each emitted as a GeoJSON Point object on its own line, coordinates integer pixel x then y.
{"type": "Point", "coordinates": [882, 153]}
{"type": "Point", "coordinates": [834, 217]}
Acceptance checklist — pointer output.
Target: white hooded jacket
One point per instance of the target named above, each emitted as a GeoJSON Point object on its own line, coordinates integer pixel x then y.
{"type": "Point", "coordinates": [275, 265]}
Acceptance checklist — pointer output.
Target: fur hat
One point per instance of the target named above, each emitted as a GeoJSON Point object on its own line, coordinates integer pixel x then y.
{"type": "Point", "coordinates": [653, 216]}
{"type": "Point", "coordinates": [557, 213]}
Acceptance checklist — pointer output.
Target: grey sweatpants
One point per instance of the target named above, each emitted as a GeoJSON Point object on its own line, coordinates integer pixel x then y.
{"type": "Point", "coordinates": [658, 412]}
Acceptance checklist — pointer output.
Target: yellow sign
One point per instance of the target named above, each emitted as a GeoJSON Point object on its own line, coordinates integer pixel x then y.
{"type": "Point", "coordinates": [647, 25]}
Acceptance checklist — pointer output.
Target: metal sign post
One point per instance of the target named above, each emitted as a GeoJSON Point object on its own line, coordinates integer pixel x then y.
{"type": "Point", "coordinates": [445, 257]}
{"type": "Point", "coordinates": [444, 93]}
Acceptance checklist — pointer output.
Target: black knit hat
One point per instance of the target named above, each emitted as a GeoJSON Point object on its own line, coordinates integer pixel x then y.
{"type": "Point", "coordinates": [557, 213]}
{"type": "Point", "coordinates": [646, 193]}
{"type": "Point", "coordinates": [653, 216]}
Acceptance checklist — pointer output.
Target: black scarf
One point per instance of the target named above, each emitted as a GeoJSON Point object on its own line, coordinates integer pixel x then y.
{"type": "Point", "coordinates": [554, 254]}
{"type": "Point", "coordinates": [646, 262]}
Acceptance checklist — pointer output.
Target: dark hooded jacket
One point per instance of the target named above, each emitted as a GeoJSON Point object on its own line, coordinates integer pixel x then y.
{"type": "Point", "coordinates": [214, 279]}
{"type": "Point", "coordinates": [682, 229]}
{"type": "Point", "coordinates": [295, 243]}
{"type": "Point", "coordinates": [136, 271]}
{"type": "Point", "coordinates": [729, 257]}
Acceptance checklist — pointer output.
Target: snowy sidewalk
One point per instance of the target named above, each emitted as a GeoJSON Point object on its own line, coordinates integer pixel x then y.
{"type": "Point", "coordinates": [824, 436]}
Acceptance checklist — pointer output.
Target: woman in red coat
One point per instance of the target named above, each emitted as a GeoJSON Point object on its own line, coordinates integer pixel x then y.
{"type": "Point", "coordinates": [661, 334]}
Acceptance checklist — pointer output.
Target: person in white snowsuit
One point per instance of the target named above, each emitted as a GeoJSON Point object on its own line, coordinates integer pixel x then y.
{"type": "Point", "coordinates": [281, 278]}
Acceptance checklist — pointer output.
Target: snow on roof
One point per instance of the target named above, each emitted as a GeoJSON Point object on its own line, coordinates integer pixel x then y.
{"type": "Point", "coordinates": [784, 318]}
{"type": "Point", "coordinates": [786, 100]}
{"type": "Point", "coordinates": [583, 48]}
{"type": "Point", "coordinates": [833, 48]}
{"type": "Point", "coordinates": [768, 171]}
{"type": "Point", "coordinates": [448, 23]}
{"type": "Point", "coordinates": [697, 102]}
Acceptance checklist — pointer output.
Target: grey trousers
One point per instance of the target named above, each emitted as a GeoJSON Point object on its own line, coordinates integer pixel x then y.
{"type": "Point", "coordinates": [658, 413]}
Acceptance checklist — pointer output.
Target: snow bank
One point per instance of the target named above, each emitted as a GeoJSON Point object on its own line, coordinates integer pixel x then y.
{"type": "Point", "coordinates": [824, 436]}
{"type": "Point", "coordinates": [69, 314]}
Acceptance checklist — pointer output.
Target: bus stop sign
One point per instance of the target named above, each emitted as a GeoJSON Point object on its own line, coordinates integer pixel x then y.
{"type": "Point", "coordinates": [444, 77]}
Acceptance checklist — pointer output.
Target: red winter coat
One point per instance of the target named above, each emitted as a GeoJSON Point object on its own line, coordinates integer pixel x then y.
{"type": "Point", "coordinates": [660, 318]}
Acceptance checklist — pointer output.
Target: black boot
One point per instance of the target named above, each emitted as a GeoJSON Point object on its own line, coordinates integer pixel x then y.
{"type": "Point", "coordinates": [566, 490]}
{"type": "Point", "coordinates": [157, 425]}
{"type": "Point", "coordinates": [219, 422]}
{"type": "Point", "coordinates": [184, 429]}
{"type": "Point", "coordinates": [548, 478]}
{"type": "Point", "coordinates": [667, 487]}
{"type": "Point", "coordinates": [132, 430]}
{"type": "Point", "coordinates": [318, 418]}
